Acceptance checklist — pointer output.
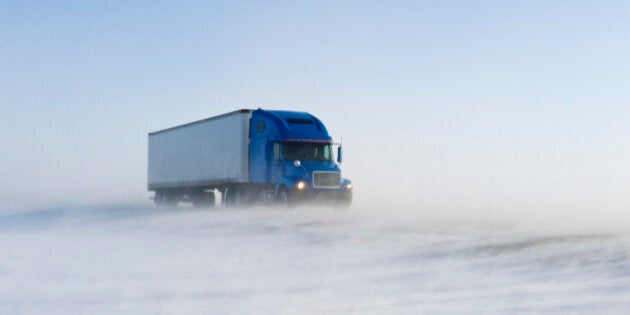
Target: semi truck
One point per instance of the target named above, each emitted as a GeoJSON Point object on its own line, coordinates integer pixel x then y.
{"type": "Point", "coordinates": [247, 157]}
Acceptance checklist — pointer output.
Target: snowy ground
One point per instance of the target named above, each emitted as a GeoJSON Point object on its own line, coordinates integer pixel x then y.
{"type": "Point", "coordinates": [123, 260]}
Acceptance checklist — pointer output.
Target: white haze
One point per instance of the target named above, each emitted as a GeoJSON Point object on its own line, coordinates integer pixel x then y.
{"type": "Point", "coordinates": [488, 144]}
{"type": "Point", "coordinates": [444, 221]}
{"type": "Point", "coordinates": [126, 260]}
{"type": "Point", "coordinates": [439, 225]}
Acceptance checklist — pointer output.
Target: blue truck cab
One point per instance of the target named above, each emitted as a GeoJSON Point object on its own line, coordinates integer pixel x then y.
{"type": "Point", "coordinates": [293, 152]}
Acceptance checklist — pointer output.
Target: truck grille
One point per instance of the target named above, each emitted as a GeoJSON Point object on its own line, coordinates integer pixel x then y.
{"type": "Point", "coordinates": [326, 179]}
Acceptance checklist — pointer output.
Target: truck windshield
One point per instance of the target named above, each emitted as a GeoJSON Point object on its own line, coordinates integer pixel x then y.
{"type": "Point", "coordinates": [307, 151]}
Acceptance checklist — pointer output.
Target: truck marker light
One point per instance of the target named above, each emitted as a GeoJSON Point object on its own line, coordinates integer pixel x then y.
{"type": "Point", "coordinates": [307, 140]}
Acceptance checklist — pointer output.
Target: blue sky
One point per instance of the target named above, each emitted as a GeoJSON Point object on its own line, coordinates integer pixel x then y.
{"type": "Point", "coordinates": [442, 103]}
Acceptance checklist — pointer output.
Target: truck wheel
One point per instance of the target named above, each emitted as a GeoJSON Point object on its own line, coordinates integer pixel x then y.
{"type": "Point", "coordinates": [343, 201]}
{"type": "Point", "coordinates": [232, 196]}
{"type": "Point", "coordinates": [284, 197]}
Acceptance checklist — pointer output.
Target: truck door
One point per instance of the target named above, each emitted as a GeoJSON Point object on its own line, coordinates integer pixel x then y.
{"type": "Point", "coordinates": [275, 164]}
{"type": "Point", "coordinates": [258, 152]}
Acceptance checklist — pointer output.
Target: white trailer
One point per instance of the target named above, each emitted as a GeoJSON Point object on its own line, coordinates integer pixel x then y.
{"type": "Point", "coordinates": [209, 152]}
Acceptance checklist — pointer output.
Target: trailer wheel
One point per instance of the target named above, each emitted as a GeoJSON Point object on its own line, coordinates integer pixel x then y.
{"type": "Point", "coordinates": [165, 199]}
{"type": "Point", "coordinates": [204, 200]}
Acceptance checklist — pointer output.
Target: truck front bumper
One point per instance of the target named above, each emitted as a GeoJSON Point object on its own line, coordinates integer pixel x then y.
{"type": "Point", "coordinates": [336, 197]}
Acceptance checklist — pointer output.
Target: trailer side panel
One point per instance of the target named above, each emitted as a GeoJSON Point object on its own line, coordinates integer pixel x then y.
{"type": "Point", "coordinates": [213, 151]}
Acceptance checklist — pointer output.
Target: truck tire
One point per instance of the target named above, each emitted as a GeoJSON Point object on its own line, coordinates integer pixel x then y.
{"type": "Point", "coordinates": [232, 196]}
{"type": "Point", "coordinates": [285, 199]}
{"type": "Point", "coordinates": [343, 200]}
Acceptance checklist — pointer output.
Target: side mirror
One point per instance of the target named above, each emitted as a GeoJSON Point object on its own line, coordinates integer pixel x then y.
{"type": "Point", "coordinates": [339, 155]}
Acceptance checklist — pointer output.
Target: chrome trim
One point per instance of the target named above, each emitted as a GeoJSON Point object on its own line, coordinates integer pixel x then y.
{"type": "Point", "coordinates": [315, 173]}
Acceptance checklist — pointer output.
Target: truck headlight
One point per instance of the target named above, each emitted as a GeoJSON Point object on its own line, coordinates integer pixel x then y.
{"type": "Point", "coordinates": [300, 185]}
{"type": "Point", "coordinates": [348, 186]}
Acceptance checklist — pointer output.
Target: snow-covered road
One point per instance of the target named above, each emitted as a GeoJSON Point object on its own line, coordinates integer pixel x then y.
{"type": "Point", "coordinates": [124, 260]}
